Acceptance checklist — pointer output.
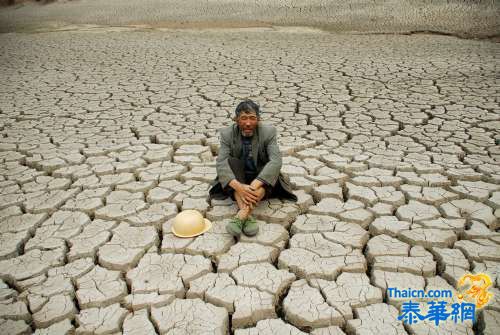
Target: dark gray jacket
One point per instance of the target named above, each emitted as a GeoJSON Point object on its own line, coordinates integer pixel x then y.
{"type": "Point", "coordinates": [266, 155]}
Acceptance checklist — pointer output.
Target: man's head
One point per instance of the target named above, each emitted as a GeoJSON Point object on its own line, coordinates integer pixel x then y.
{"type": "Point", "coordinates": [247, 117]}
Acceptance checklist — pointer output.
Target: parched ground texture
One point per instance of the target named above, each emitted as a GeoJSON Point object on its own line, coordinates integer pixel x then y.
{"type": "Point", "coordinates": [470, 18]}
{"type": "Point", "coordinates": [389, 142]}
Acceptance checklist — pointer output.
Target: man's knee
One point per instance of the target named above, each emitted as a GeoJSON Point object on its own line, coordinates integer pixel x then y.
{"type": "Point", "coordinates": [238, 168]}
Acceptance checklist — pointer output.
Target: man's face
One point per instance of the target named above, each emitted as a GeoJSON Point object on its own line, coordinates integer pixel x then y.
{"type": "Point", "coordinates": [247, 121]}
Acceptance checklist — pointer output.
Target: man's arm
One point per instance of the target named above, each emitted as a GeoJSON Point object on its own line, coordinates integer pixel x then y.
{"type": "Point", "coordinates": [224, 172]}
{"type": "Point", "coordinates": [271, 170]}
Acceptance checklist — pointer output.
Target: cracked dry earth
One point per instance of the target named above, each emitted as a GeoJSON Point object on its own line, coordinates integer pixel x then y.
{"type": "Point", "coordinates": [388, 142]}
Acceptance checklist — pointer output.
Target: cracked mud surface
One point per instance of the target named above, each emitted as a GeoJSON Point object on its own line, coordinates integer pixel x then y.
{"type": "Point", "coordinates": [389, 143]}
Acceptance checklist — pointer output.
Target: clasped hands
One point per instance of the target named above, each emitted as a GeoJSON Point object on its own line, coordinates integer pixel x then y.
{"type": "Point", "coordinates": [248, 193]}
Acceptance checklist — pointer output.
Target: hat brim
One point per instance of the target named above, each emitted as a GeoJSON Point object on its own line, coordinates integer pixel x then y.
{"type": "Point", "coordinates": [208, 225]}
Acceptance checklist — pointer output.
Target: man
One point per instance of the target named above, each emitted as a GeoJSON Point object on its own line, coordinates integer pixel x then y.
{"type": "Point", "coordinates": [248, 167]}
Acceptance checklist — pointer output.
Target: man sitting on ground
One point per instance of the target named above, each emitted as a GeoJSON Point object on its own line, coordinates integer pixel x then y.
{"type": "Point", "coordinates": [248, 167]}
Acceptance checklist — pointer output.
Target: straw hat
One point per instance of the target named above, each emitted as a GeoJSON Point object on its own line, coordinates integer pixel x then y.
{"type": "Point", "coordinates": [190, 223]}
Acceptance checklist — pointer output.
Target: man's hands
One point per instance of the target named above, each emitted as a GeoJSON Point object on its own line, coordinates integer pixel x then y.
{"type": "Point", "coordinates": [248, 193]}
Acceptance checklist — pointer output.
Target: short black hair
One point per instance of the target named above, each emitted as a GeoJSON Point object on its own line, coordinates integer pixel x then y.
{"type": "Point", "coordinates": [247, 106]}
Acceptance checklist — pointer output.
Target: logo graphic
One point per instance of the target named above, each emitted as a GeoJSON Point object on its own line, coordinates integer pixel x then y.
{"type": "Point", "coordinates": [478, 290]}
{"type": "Point", "coordinates": [473, 298]}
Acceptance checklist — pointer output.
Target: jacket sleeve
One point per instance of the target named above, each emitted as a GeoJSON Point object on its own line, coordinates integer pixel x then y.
{"type": "Point", "coordinates": [224, 172]}
{"type": "Point", "coordinates": [270, 172]}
